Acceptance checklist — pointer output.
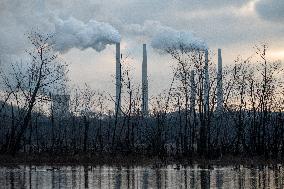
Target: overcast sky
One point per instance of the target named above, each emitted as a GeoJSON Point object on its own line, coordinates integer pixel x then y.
{"type": "Point", "coordinates": [233, 25]}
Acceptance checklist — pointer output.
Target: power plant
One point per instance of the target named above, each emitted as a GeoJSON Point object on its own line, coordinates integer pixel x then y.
{"type": "Point", "coordinates": [145, 92]}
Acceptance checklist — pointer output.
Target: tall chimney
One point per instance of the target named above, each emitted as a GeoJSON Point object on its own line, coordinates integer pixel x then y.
{"type": "Point", "coordinates": [192, 92]}
{"type": "Point", "coordinates": [206, 83]}
{"type": "Point", "coordinates": [144, 82]}
{"type": "Point", "coordinates": [118, 81]}
{"type": "Point", "coordinates": [219, 83]}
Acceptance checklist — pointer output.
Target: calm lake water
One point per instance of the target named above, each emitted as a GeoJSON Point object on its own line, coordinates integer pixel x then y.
{"type": "Point", "coordinates": [140, 177]}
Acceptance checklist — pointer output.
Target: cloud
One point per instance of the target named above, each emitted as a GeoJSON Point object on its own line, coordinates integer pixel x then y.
{"type": "Point", "coordinates": [212, 20]}
{"type": "Point", "coordinates": [18, 18]}
{"type": "Point", "coordinates": [208, 4]}
{"type": "Point", "coordinates": [272, 10]}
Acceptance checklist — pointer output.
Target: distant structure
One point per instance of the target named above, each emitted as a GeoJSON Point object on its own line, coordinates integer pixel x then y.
{"type": "Point", "coordinates": [219, 83]}
{"type": "Point", "coordinates": [60, 104]}
{"type": "Point", "coordinates": [118, 81]}
{"type": "Point", "coordinates": [206, 83]}
{"type": "Point", "coordinates": [144, 82]}
{"type": "Point", "coordinates": [145, 97]}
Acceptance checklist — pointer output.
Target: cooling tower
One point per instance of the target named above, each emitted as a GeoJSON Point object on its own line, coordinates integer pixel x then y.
{"type": "Point", "coordinates": [219, 83]}
{"type": "Point", "coordinates": [118, 81]}
{"type": "Point", "coordinates": [144, 82]}
{"type": "Point", "coordinates": [206, 83]}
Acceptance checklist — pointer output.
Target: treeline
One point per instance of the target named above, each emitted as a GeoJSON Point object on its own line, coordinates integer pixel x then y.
{"type": "Point", "coordinates": [41, 115]}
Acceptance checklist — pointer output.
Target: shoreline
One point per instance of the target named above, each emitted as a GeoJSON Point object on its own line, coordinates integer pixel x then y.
{"type": "Point", "coordinates": [133, 160]}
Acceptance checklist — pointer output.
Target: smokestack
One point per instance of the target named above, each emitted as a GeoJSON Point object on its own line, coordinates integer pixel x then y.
{"type": "Point", "coordinates": [193, 92]}
{"type": "Point", "coordinates": [118, 81]}
{"type": "Point", "coordinates": [206, 83]}
{"type": "Point", "coordinates": [219, 83]}
{"type": "Point", "coordinates": [144, 82]}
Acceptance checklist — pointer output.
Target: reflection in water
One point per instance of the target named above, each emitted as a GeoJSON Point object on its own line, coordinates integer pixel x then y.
{"type": "Point", "coordinates": [219, 179]}
{"type": "Point", "coordinates": [12, 180]}
{"type": "Point", "coordinates": [141, 177]}
{"type": "Point", "coordinates": [86, 177]}
{"type": "Point", "coordinates": [145, 179]}
{"type": "Point", "coordinates": [118, 179]}
{"type": "Point", "coordinates": [205, 179]}
{"type": "Point", "coordinates": [158, 178]}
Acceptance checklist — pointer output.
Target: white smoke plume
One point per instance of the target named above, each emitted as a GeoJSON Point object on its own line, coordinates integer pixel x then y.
{"type": "Point", "coordinates": [164, 37]}
{"type": "Point", "coordinates": [173, 39]}
{"type": "Point", "coordinates": [73, 33]}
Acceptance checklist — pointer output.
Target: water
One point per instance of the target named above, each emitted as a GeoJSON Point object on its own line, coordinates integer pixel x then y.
{"type": "Point", "coordinates": [140, 177]}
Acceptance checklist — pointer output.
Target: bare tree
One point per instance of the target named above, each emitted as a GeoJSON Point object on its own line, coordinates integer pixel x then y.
{"type": "Point", "coordinates": [43, 69]}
